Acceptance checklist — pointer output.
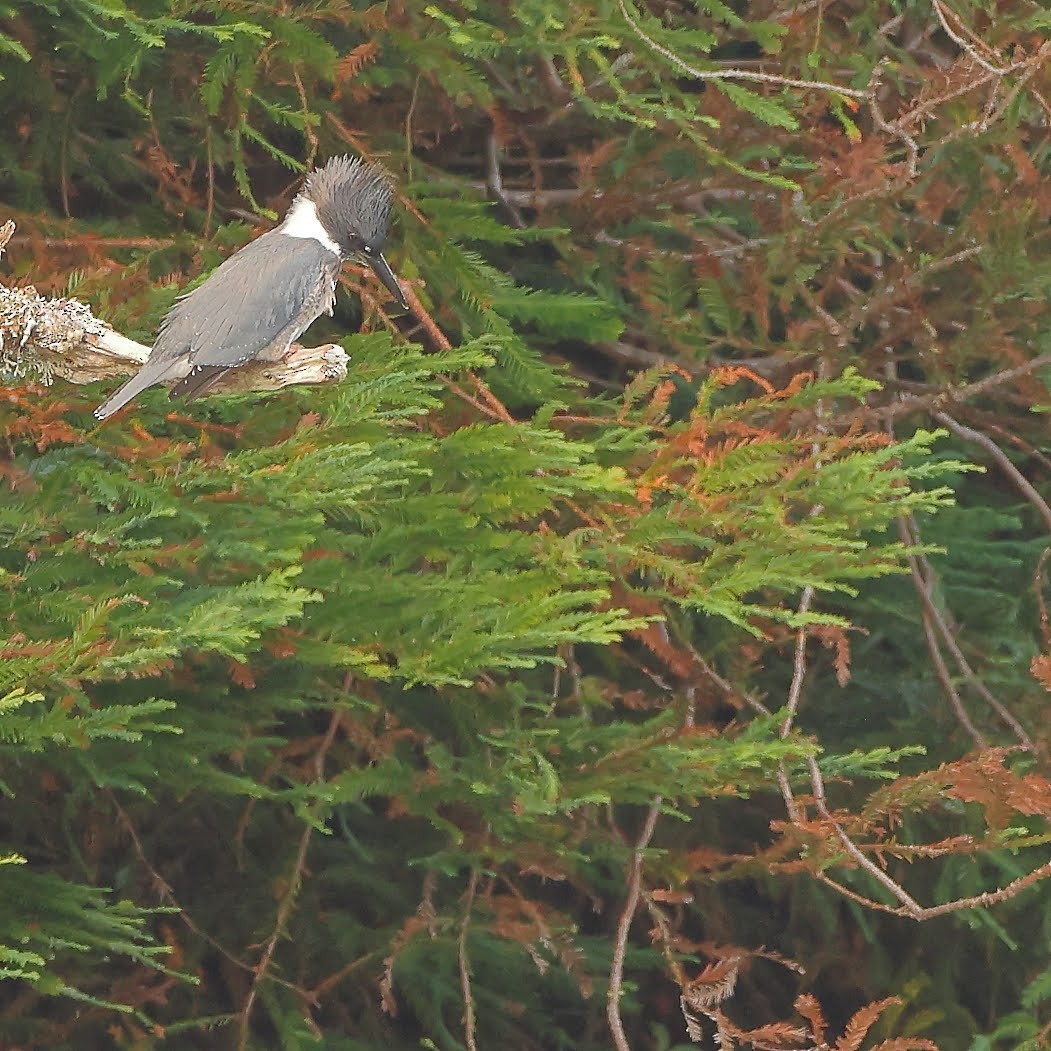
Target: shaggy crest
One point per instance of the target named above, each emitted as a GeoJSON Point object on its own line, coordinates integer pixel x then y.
{"type": "Point", "coordinates": [353, 199]}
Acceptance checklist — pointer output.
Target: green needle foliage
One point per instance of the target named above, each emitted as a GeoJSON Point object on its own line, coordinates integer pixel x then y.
{"type": "Point", "coordinates": [627, 652]}
{"type": "Point", "coordinates": [350, 565]}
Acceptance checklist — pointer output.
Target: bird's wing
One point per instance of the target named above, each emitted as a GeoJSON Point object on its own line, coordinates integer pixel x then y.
{"type": "Point", "coordinates": [270, 290]}
{"type": "Point", "coordinates": [260, 299]}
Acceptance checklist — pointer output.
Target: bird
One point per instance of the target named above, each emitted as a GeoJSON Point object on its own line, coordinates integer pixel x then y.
{"type": "Point", "coordinates": [261, 299]}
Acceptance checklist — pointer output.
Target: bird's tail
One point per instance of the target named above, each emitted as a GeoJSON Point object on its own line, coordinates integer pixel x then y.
{"type": "Point", "coordinates": [145, 377]}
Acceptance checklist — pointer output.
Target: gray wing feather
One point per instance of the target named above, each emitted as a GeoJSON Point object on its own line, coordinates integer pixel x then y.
{"type": "Point", "coordinates": [267, 293]}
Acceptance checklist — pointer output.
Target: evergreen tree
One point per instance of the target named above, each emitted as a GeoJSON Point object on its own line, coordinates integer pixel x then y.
{"type": "Point", "coordinates": [628, 628]}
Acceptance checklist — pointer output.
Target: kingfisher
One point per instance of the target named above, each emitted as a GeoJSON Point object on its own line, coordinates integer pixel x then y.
{"type": "Point", "coordinates": [260, 300]}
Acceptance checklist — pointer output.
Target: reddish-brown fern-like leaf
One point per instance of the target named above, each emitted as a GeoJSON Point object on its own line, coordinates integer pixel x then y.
{"type": "Point", "coordinates": [981, 779]}
{"type": "Point", "coordinates": [42, 424]}
{"type": "Point", "coordinates": [676, 660]}
{"type": "Point", "coordinates": [514, 920]}
{"type": "Point", "coordinates": [372, 19]}
{"type": "Point", "coordinates": [174, 180]}
{"type": "Point", "coordinates": [999, 791]}
{"type": "Point", "coordinates": [283, 642]}
{"type": "Point", "coordinates": [659, 401]}
{"type": "Point", "coordinates": [1040, 669]}
{"type": "Point", "coordinates": [16, 479]}
{"type": "Point", "coordinates": [834, 637]}
{"type": "Point", "coordinates": [645, 489]}
{"type": "Point", "coordinates": [859, 166]}
{"type": "Point", "coordinates": [241, 675]}
{"type": "Point", "coordinates": [777, 1036]}
{"type": "Point", "coordinates": [727, 375]}
{"type": "Point", "coordinates": [713, 985]}
{"type": "Point", "coordinates": [863, 1020]}
{"type": "Point", "coordinates": [810, 1009]}
{"type": "Point", "coordinates": [350, 65]}
{"type": "Point", "coordinates": [798, 382]}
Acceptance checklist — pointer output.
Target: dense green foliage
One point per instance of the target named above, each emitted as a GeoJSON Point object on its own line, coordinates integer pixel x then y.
{"type": "Point", "coordinates": [629, 619]}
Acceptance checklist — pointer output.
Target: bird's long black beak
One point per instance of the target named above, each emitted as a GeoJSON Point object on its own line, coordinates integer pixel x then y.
{"type": "Point", "coordinates": [383, 271]}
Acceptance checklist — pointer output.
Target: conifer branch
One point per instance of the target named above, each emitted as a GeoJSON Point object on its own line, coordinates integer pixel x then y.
{"type": "Point", "coordinates": [263, 967]}
{"type": "Point", "coordinates": [817, 781]}
{"type": "Point", "coordinates": [979, 51]}
{"type": "Point", "coordinates": [920, 913]}
{"type": "Point", "coordinates": [906, 904]}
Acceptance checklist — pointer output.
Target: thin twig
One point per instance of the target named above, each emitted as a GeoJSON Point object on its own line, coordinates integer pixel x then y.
{"type": "Point", "coordinates": [1021, 483]}
{"type": "Point", "coordinates": [923, 584]}
{"type": "Point", "coordinates": [893, 128]}
{"type": "Point", "coordinates": [926, 593]}
{"type": "Point", "coordinates": [263, 966]}
{"type": "Point", "coordinates": [165, 893]}
{"type": "Point", "coordinates": [835, 329]}
{"type": "Point", "coordinates": [920, 913]}
{"type": "Point", "coordinates": [294, 883]}
{"type": "Point", "coordinates": [410, 113]}
{"type": "Point", "coordinates": [896, 287]}
{"type": "Point", "coordinates": [915, 402]}
{"type": "Point", "coordinates": [965, 45]}
{"type": "Point", "coordinates": [1015, 439]}
{"type": "Point", "coordinates": [487, 402]}
{"type": "Point", "coordinates": [495, 181]}
{"type": "Point", "coordinates": [92, 244]}
{"type": "Point", "coordinates": [734, 73]}
{"type": "Point", "coordinates": [817, 782]}
{"type": "Point", "coordinates": [209, 212]}
{"type": "Point", "coordinates": [308, 128]}
{"type": "Point", "coordinates": [336, 977]}
{"type": "Point", "coordinates": [795, 691]}
{"type": "Point", "coordinates": [728, 687]}
{"type": "Point", "coordinates": [498, 407]}
{"type": "Point", "coordinates": [942, 671]}
{"type": "Point", "coordinates": [464, 963]}
{"type": "Point", "coordinates": [627, 914]}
